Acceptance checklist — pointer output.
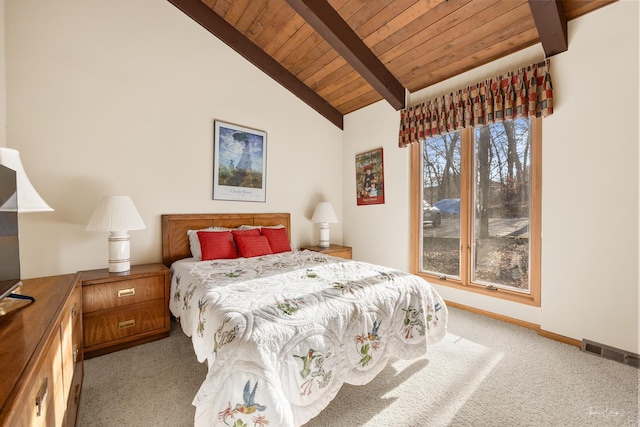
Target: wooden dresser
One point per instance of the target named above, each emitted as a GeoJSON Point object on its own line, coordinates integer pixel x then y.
{"type": "Point", "coordinates": [121, 310]}
{"type": "Point", "coordinates": [41, 367]}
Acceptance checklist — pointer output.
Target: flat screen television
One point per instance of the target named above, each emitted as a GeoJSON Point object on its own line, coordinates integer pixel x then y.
{"type": "Point", "coordinates": [9, 239]}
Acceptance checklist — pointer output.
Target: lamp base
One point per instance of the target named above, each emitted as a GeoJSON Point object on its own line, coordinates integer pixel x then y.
{"type": "Point", "coordinates": [324, 235]}
{"type": "Point", "coordinates": [119, 253]}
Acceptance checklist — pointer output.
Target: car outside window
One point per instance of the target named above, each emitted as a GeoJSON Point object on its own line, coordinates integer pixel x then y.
{"type": "Point", "coordinates": [480, 199]}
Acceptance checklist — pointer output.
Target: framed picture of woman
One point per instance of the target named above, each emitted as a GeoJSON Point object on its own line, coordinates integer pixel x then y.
{"type": "Point", "coordinates": [239, 163]}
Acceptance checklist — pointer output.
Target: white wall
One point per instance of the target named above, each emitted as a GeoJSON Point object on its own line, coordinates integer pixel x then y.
{"type": "Point", "coordinates": [119, 97]}
{"type": "Point", "coordinates": [590, 184]}
{"type": "Point", "coordinates": [377, 233]}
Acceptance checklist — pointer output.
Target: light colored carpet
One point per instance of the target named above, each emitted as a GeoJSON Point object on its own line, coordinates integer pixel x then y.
{"type": "Point", "coordinates": [484, 373]}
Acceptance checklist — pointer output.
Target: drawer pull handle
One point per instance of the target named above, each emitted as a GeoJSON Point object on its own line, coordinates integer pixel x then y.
{"type": "Point", "coordinates": [126, 292]}
{"type": "Point", "coordinates": [41, 396]}
{"type": "Point", "coordinates": [127, 324]}
{"type": "Point", "coordinates": [75, 353]}
{"type": "Point", "coordinates": [76, 395]}
{"type": "Point", "coordinates": [74, 311]}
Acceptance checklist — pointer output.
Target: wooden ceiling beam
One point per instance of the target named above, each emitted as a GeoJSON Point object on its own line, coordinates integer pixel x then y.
{"type": "Point", "coordinates": [330, 25]}
{"type": "Point", "coordinates": [224, 31]}
{"type": "Point", "coordinates": [551, 22]}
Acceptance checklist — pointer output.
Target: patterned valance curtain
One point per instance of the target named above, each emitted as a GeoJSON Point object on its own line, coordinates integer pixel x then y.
{"type": "Point", "coordinates": [526, 92]}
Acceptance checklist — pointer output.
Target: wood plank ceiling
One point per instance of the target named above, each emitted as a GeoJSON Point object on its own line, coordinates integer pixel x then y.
{"type": "Point", "coordinates": [341, 55]}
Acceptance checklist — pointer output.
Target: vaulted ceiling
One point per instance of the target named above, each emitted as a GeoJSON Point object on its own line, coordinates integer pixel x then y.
{"type": "Point", "coordinates": [341, 55]}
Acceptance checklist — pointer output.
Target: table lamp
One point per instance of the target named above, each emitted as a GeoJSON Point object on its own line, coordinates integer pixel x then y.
{"type": "Point", "coordinates": [118, 215]}
{"type": "Point", "coordinates": [28, 199]}
{"type": "Point", "coordinates": [23, 198]}
{"type": "Point", "coordinates": [324, 214]}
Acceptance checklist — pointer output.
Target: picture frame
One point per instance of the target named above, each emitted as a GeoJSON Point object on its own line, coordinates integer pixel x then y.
{"type": "Point", "coordinates": [239, 163]}
{"type": "Point", "coordinates": [370, 177]}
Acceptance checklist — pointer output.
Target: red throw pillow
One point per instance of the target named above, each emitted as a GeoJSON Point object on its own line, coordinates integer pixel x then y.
{"type": "Point", "coordinates": [252, 246]}
{"type": "Point", "coordinates": [251, 232]}
{"type": "Point", "coordinates": [217, 245]}
{"type": "Point", "coordinates": [278, 239]}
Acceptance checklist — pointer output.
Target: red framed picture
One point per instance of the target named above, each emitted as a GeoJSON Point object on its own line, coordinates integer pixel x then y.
{"type": "Point", "coordinates": [370, 178]}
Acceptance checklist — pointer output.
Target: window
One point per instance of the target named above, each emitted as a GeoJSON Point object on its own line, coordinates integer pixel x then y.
{"type": "Point", "coordinates": [477, 192]}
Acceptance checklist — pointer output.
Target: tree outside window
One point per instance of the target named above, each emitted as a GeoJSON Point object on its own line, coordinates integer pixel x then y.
{"type": "Point", "coordinates": [484, 185]}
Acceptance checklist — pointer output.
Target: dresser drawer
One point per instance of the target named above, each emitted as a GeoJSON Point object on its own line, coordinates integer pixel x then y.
{"type": "Point", "coordinates": [71, 339]}
{"type": "Point", "coordinates": [116, 324]}
{"type": "Point", "coordinates": [43, 401]}
{"type": "Point", "coordinates": [102, 296]}
{"type": "Point", "coordinates": [73, 400]}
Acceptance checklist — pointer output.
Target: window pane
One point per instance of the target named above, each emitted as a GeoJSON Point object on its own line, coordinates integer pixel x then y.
{"type": "Point", "coordinates": [502, 201]}
{"type": "Point", "coordinates": [441, 205]}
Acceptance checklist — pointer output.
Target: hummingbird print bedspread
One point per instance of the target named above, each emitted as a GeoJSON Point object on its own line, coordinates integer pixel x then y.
{"type": "Point", "coordinates": [282, 333]}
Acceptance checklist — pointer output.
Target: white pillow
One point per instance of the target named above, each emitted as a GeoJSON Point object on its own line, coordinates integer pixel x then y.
{"type": "Point", "coordinates": [251, 227]}
{"type": "Point", "coordinates": [194, 242]}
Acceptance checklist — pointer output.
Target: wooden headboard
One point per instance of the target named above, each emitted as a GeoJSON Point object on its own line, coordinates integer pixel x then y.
{"type": "Point", "coordinates": [175, 243]}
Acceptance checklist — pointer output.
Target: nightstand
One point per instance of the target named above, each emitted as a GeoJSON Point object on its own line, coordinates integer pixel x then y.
{"type": "Point", "coordinates": [121, 310]}
{"type": "Point", "coordinates": [333, 250]}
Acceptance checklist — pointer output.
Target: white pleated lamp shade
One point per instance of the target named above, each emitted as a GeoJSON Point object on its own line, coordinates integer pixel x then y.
{"type": "Point", "coordinates": [28, 198]}
{"type": "Point", "coordinates": [324, 213]}
{"type": "Point", "coordinates": [115, 213]}
{"type": "Point", "coordinates": [118, 215]}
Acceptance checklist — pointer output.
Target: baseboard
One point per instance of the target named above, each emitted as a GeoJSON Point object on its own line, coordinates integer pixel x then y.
{"type": "Point", "coordinates": [561, 338]}
{"type": "Point", "coordinates": [517, 322]}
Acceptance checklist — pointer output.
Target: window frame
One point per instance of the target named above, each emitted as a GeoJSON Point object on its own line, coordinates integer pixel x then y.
{"type": "Point", "coordinates": [535, 233]}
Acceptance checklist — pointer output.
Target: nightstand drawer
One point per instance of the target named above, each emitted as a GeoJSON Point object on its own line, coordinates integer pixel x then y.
{"type": "Point", "coordinates": [102, 296]}
{"type": "Point", "coordinates": [121, 323]}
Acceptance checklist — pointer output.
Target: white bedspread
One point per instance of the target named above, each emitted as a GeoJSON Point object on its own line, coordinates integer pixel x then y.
{"type": "Point", "coordinates": [282, 333]}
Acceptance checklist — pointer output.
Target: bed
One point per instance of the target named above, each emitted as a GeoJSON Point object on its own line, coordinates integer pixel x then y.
{"type": "Point", "coordinates": [281, 333]}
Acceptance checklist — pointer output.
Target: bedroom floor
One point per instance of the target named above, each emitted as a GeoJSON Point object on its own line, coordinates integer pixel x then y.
{"type": "Point", "coordinates": [484, 373]}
